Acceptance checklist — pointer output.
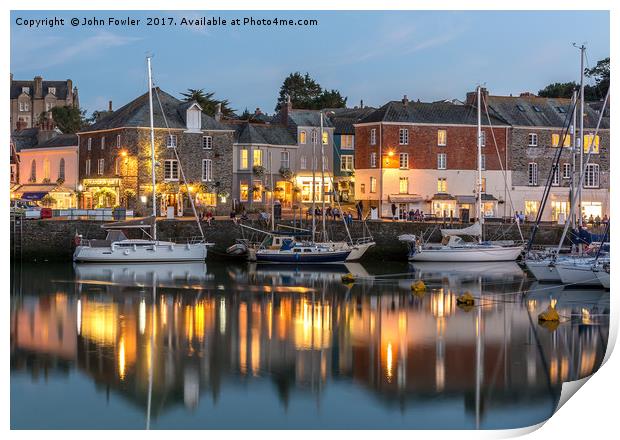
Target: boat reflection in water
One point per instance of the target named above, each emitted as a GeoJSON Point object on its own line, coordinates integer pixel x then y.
{"type": "Point", "coordinates": [244, 347]}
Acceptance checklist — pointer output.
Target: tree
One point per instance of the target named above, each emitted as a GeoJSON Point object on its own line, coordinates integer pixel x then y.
{"type": "Point", "coordinates": [601, 74]}
{"type": "Point", "coordinates": [559, 90]}
{"type": "Point", "coordinates": [208, 102]}
{"type": "Point", "coordinates": [69, 119]}
{"type": "Point", "coordinates": [306, 93]}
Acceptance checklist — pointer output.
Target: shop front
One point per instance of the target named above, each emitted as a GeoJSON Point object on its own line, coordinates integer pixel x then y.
{"type": "Point", "coordinates": [48, 195]}
{"type": "Point", "coordinates": [443, 206]}
{"type": "Point", "coordinates": [305, 185]}
{"type": "Point", "coordinates": [406, 203]}
{"type": "Point", "coordinates": [101, 193]}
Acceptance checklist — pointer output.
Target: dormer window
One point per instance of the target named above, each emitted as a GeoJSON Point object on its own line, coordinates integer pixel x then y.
{"type": "Point", "coordinates": [52, 90]}
{"type": "Point", "coordinates": [26, 90]}
{"type": "Point", "coordinates": [194, 118]}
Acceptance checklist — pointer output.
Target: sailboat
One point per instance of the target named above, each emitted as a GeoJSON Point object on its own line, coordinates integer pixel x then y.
{"type": "Point", "coordinates": [453, 247]}
{"type": "Point", "coordinates": [117, 248]}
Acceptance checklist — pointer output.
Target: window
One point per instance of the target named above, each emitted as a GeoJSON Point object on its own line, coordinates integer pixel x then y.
{"type": "Point", "coordinates": [373, 184]}
{"type": "Point", "coordinates": [587, 142]}
{"type": "Point", "coordinates": [442, 137]}
{"type": "Point", "coordinates": [373, 136]}
{"type": "Point", "coordinates": [536, 108]}
{"type": "Point", "coordinates": [21, 106]}
{"type": "Point", "coordinates": [257, 158]}
{"type": "Point", "coordinates": [403, 185]}
{"type": "Point", "coordinates": [483, 188]}
{"type": "Point", "coordinates": [90, 143]}
{"type": "Point", "coordinates": [285, 159]}
{"type": "Point", "coordinates": [555, 140]}
{"type": "Point", "coordinates": [207, 170]}
{"type": "Point", "coordinates": [483, 138]}
{"type": "Point", "coordinates": [33, 171]}
{"type": "Point", "coordinates": [520, 107]}
{"type": "Point", "coordinates": [118, 141]}
{"type": "Point", "coordinates": [403, 136]}
{"type": "Point", "coordinates": [531, 208]}
{"type": "Point", "coordinates": [591, 179]}
{"type": "Point", "coordinates": [373, 160]}
{"type": "Point", "coordinates": [26, 90]}
{"type": "Point", "coordinates": [61, 169]}
{"type": "Point", "coordinates": [46, 169]}
{"type": "Point", "coordinates": [51, 90]}
{"type": "Point", "coordinates": [403, 160]}
{"type": "Point", "coordinates": [302, 137]}
{"type": "Point", "coordinates": [171, 169]}
{"type": "Point", "coordinates": [171, 141]}
{"type": "Point", "coordinates": [207, 143]}
{"type": "Point", "coordinates": [566, 171]}
{"type": "Point", "coordinates": [363, 188]}
{"type": "Point", "coordinates": [49, 106]}
{"type": "Point", "coordinates": [117, 166]}
{"type": "Point", "coordinates": [560, 109]}
{"type": "Point", "coordinates": [102, 142]}
{"type": "Point", "coordinates": [442, 185]}
{"type": "Point", "coordinates": [347, 141]}
{"type": "Point", "coordinates": [314, 137]}
{"type": "Point", "coordinates": [244, 159]}
{"type": "Point", "coordinates": [325, 163]}
{"type": "Point", "coordinates": [303, 162]}
{"type": "Point", "coordinates": [346, 162]}
{"type": "Point", "coordinates": [257, 191]}
{"type": "Point", "coordinates": [100, 164]}
{"type": "Point", "coordinates": [532, 174]}
{"type": "Point", "coordinates": [13, 173]}
{"type": "Point", "coordinates": [556, 176]}
{"type": "Point", "coordinates": [243, 192]}
{"type": "Point", "coordinates": [442, 159]}
{"type": "Point", "coordinates": [325, 137]}
{"type": "Point", "coordinates": [532, 140]}
{"type": "Point", "coordinates": [87, 168]}
{"type": "Point", "coordinates": [483, 162]}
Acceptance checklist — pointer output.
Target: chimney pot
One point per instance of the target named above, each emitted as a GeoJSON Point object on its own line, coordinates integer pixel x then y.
{"type": "Point", "coordinates": [405, 100]}
{"type": "Point", "coordinates": [361, 103]}
{"type": "Point", "coordinates": [110, 106]}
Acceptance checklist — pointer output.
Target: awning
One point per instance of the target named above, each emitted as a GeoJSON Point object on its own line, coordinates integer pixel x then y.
{"type": "Point", "coordinates": [466, 200]}
{"type": "Point", "coordinates": [34, 195]}
{"type": "Point", "coordinates": [488, 198]}
{"type": "Point", "coordinates": [405, 198]}
{"type": "Point", "coordinates": [443, 196]}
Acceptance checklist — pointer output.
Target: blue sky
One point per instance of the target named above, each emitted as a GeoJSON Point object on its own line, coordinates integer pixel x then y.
{"type": "Point", "coordinates": [374, 56]}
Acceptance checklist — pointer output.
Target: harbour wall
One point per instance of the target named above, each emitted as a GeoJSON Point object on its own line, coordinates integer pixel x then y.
{"type": "Point", "coordinates": [53, 240]}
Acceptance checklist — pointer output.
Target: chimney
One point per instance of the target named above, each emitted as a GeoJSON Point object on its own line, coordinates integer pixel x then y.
{"type": "Point", "coordinates": [361, 103]}
{"type": "Point", "coordinates": [405, 100]}
{"type": "Point", "coordinates": [218, 112]}
{"type": "Point", "coordinates": [69, 91]}
{"type": "Point", "coordinates": [257, 111]}
{"type": "Point", "coordinates": [110, 106]}
{"type": "Point", "coordinates": [38, 87]}
{"type": "Point", "coordinates": [286, 109]}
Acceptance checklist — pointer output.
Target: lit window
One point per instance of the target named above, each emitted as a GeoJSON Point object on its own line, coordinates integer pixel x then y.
{"type": "Point", "coordinates": [587, 142]}
{"type": "Point", "coordinates": [403, 160]}
{"type": "Point", "coordinates": [46, 169]}
{"type": "Point", "coordinates": [442, 159]}
{"type": "Point", "coordinates": [207, 142]}
{"type": "Point", "coordinates": [257, 191]}
{"type": "Point", "coordinates": [555, 140]}
{"type": "Point", "coordinates": [442, 185]}
{"type": "Point", "coordinates": [532, 174]}
{"type": "Point", "coordinates": [244, 159]}
{"type": "Point", "coordinates": [532, 140]}
{"type": "Point", "coordinates": [373, 184]}
{"type": "Point", "coordinates": [442, 137]}
{"type": "Point", "coordinates": [373, 160]}
{"type": "Point", "coordinates": [100, 166]}
{"type": "Point", "coordinates": [207, 170]}
{"type": "Point", "coordinates": [347, 141]}
{"type": "Point", "coordinates": [257, 158]}
{"type": "Point", "coordinates": [325, 138]}
{"type": "Point", "coordinates": [403, 136]}
{"type": "Point", "coordinates": [591, 176]}
{"type": "Point", "coordinates": [171, 169]}
{"type": "Point", "coordinates": [302, 137]}
{"type": "Point", "coordinates": [171, 141]}
{"type": "Point", "coordinates": [403, 185]}
{"type": "Point", "coordinates": [373, 136]}
{"type": "Point", "coordinates": [243, 192]}
{"type": "Point", "coordinates": [346, 163]}
{"type": "Point", "coordinates": [531, 208]}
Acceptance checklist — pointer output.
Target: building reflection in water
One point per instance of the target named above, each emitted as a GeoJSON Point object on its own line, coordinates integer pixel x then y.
{"type": "Point", "coordinates": [396, 346]}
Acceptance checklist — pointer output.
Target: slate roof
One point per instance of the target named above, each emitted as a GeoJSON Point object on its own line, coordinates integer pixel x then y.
{"type": "Point", "coordinates": [136, 114]}
{"type": "Point", "coordinates": [26, 138]}
{"type": "Point", "coordinates": [429, 113]}
{"type": "Point", "coordinates": [62, 140]}
{"type": "Point", "coordinates": [307, 118]}
{"type": "Point", "coordinates": [61, 88]}
{"type": "Point", "coordinates": [270, 134]}
{"type": "Point", "coordinates": [535, 111]}
{"type": "Point", "coordinates": [344, 118]}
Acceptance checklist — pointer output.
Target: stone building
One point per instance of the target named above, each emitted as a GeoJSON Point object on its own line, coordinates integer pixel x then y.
{"type": "Point", "coordinates": [32, 98]}
{"type": "Point", "coordinates": [537, 126]}
{"type": "Point", "coordinates": [423, 156]}
{"type": "Point", "coordinates": [115, 158]}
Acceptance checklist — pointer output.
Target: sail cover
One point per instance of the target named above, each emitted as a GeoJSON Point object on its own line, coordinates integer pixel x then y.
{"type": "Point", "coordinates": [474, 230]}
{"type": "Point", "coordinates": [144, 222]}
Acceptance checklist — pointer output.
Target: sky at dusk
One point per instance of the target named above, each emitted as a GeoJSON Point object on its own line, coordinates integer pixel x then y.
{"type": "Point", "coordinates": [374, 56]}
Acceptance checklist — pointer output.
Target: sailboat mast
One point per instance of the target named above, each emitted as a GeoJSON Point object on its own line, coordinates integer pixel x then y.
{"type": "Point", "coordinates": [480, 209]}
{"type": "Point", "coordinates": [148, 61]}
{"type": "Point", "coordinates": [573, 174]}
{"type": "Point", "coordinates": [323, 180]}
{"type": "Point", "coordinates": [582, 49]}
{"type": "Point", "coordinates": [313, 183]}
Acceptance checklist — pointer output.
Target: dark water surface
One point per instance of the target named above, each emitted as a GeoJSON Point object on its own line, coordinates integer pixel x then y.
{"type": "Point", "coordinates": [240, 346]}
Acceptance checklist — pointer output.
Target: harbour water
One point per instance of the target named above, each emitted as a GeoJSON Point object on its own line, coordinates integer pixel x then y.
{"type": "Point", "coordinates": [222, 345]}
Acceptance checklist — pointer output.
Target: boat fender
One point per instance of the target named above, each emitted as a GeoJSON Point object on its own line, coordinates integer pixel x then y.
{"type": "Point", "coordinates": [549, 315]}
{"type": "Point", "coordinates": [135, 248]}
{"type": "Point", "coordinates": [466, 299]}
{"type": "Point", "coordinates": [348, 278]}
{"type": "Point", "coordinates": [418, 286]}
{"type": "Point", "coordinates": [126, 252]}
{"type": "Point", "coordinates": [171, 247]}
{"type": "Point", "coordinates": [187, 246]}
{"type": "Point", "coordinates": [77, 239]}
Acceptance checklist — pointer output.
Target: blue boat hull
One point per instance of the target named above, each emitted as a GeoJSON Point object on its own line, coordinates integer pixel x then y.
{"type": "Point", "coordinates": [298, 258]}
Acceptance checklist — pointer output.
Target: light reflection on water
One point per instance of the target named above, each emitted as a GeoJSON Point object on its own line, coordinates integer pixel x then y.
{"type": "Point", "coordinates": [238, 346]}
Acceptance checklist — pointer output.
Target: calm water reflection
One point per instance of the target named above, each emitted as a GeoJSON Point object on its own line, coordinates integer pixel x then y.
{"type": "Point", "coordinates": [237, 346]}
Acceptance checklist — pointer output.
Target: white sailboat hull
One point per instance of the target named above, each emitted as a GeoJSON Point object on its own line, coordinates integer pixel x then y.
{"type": "Point", "coordinates": [160, 251]}
{"type": "Point", "coordinates": [603, 277]}
{"type": "Point", "coordinates": [358, 251]}
{"type": "Point", "coordinates": [473, 253]}
{"type": "Point", "coordinates": [577, 274]}
{"type": "Point", "coordinates": [543, 270]}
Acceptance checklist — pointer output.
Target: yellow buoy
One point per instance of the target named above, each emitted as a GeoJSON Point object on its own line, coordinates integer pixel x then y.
{"type": "Point", "coordinates": [418, 286]}
{"type": "Point", "coordinates": [466, 299]}
{"type": "Point", "coordinates": [549, 315]}
{"type": "Point", "coordinates": [549, 325]}
{"type": "Point", "coordinates": [348, 278]}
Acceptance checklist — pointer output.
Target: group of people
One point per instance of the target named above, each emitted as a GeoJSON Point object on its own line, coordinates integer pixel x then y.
{"type": "Point", "coordinates": [412, 215]}
{"type": "Point", "coordinates": [595, 221]}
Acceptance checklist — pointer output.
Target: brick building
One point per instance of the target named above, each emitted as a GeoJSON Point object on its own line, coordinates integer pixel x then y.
{"type": "Point", "coordinates": [423, 156]}
{"type": "Point", "coordinates": [115, 157]}
{"type": "Point", "coordinates": [31, 98]}
{"type": "Point", "coordinates": [536, 129]}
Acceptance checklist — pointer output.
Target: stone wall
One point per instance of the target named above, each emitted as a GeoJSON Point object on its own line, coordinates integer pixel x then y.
{"type": "Point", "coordinates": [53, 239]}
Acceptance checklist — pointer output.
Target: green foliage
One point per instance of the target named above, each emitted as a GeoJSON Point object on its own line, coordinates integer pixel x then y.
{"type": "Point", "coordinates": [69, 119]}
{"type": "Point", "coordinates": [306, 93]}
{"type": "Point", "coordinates": [600, 73]}
{"type": "Point", "coordinates": [286, 173]}
{"type": "Point", "coordinates": [208, 102]}
{"type": "Point", "coordinates": [48, 201]}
